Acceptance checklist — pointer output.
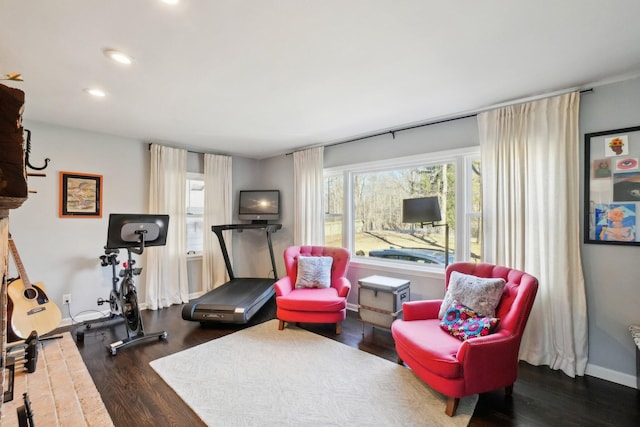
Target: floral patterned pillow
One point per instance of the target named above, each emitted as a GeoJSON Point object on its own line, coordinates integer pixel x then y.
{"type": "Point", "coordinates": [478, 293]}
{"type": "Point", "coordinates": [464, 323]}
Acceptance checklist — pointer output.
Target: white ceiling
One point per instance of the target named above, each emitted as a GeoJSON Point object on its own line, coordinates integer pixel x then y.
{"type": "Point", "coordinates": [258, 78]}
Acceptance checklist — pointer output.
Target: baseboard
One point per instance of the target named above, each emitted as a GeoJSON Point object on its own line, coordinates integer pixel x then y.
{"type": "Point", "coordinates": [611, 375]}
{"type": "Point", "coordinates": [352, 307]}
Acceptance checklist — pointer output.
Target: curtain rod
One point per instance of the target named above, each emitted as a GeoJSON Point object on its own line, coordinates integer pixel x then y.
{"type": "Point", "coordinates": [188, 151]}
{"type": "Point", "coordinates": [393, 132]}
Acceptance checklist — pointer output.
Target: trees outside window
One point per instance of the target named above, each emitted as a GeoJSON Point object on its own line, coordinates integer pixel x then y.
{"type": "Point", "coordinates": [363, 208]}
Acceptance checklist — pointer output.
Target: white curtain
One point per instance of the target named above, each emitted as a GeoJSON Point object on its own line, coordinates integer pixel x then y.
{"type": "Point", "coordinates": [531, 184]}
{"type": "Point", "coordinates": [217, 211]}
{"type": "Point", "coordinates": [166, 266]}
{"type": "Point", "coordinates": [308, 193]}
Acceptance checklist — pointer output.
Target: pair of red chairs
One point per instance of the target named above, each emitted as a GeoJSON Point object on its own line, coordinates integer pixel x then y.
{"type": "Point", "coordinates": [450, 366]}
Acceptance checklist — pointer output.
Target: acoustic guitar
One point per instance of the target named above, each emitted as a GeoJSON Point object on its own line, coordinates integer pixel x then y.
{"type": "Point", "coordinates": [32, 309]}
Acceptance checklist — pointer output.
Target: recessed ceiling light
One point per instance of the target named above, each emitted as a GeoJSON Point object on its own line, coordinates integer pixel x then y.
{"type": "Point", "coordinates": [98, 93]}
{"type": "Point", "coordinates": [170, 1]}
{"type": "Point", "coordinates": [118, 56]}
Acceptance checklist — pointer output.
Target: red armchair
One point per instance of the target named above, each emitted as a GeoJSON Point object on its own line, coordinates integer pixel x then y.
{"type": "Point", "coordinates": [313, 305]}
{"type": "Point", "coordinates": [462, 368]}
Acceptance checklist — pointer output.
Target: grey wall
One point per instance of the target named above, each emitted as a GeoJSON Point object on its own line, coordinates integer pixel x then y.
{"type": "Point", "coordinates": [63, 253]}
{"type": "Point", "coordinates": [438, 137]}
{"type": "Point", "coordinates": [250, 251]}
{"type": "Point", "coordinates": [611, 272]}
{"type": "Point", "coordinates": [277, 172]}
{"type": "Point", "coordinates": [245, 262]}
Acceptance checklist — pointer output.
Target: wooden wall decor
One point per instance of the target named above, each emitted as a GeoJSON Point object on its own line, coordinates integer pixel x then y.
{"type": "Point", "coordinates": [13, 179]}
{"type": "Point", "coordinates": [13, 192]}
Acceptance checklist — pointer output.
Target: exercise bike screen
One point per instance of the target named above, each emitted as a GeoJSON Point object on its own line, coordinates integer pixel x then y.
{"type": "Point", "coordinates": [124, 230]}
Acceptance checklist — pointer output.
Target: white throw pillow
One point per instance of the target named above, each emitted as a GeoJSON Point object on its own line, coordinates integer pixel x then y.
{"type": "Point", "coordinates": [482, 295]}
{"type": "Point", "coordinates": [314, 272]}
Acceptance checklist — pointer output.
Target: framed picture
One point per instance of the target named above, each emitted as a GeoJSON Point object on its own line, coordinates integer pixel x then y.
{"type": "Point", "coordinates": [80, 195]}
{"type": "Point", "coordinates": [612, 187]}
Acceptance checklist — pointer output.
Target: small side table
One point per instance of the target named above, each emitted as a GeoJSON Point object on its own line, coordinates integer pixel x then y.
{"type": "Point", "coordinates": [380, 300]}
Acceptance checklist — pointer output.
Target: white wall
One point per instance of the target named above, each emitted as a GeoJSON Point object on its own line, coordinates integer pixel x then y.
{"type": "Point", "coordinates": [63, 253]}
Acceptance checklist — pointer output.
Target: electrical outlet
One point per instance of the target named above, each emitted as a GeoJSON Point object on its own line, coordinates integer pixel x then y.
{"type": "Point", "coordinates": [66, 299]}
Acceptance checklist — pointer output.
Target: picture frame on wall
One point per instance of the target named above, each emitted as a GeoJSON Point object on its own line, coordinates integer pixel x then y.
{"type": "Point", "coordinates": [612, 187]}
{"type": "Point", "coordinates": [80, 195]}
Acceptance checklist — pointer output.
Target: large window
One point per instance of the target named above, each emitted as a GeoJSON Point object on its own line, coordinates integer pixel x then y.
{"type": "Point", "coordinates": [363, 208]}
{"type": "Point", "coordinates": [195, 213]}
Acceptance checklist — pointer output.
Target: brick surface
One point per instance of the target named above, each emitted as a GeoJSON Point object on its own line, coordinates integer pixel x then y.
{"type": "Point", "coordinates": [61, 390]}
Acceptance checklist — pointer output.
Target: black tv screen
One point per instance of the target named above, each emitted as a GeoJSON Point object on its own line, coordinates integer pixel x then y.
{"type": "Point", "coordinates": [124, 230]}
{"type": "Point", "coordinates": [422, 209]}
{"type": "Point", "coordinates": [259, 205]}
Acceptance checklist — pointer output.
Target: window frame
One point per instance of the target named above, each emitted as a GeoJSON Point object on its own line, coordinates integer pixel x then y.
{"type": "Point", "coordinates": [193, 176]}
{"type": "Point", "coordinates": [462, 158]}
{"type": "Point", "coordinates": [470, 214]}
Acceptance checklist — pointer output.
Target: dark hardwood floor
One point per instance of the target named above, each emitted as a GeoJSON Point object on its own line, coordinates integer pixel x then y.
{"type": "Point", "coordinates": [136, 396]}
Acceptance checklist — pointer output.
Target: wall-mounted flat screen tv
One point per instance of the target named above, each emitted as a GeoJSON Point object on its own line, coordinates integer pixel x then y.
{"type": "Point", "coordinates": [259, 206]}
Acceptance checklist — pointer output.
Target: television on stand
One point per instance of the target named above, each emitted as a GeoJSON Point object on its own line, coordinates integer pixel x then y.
{"type": "Point", "coordinates": [259, 206]}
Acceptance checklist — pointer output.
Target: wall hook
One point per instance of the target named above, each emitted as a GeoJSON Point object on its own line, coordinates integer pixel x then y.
{"type": "Point", "coordinates": [46, 161]}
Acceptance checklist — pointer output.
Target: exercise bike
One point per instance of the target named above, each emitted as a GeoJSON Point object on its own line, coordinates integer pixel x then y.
{"type": "Point", "coordinates": [123, 298]}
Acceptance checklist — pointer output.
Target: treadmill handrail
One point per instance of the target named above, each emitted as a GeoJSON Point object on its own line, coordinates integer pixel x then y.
{"type": "Point", "coordinates": [269, 228]}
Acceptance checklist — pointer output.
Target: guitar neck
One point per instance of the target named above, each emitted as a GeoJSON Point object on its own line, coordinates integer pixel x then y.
{"type": "Point", "coordinates": [19, 265]}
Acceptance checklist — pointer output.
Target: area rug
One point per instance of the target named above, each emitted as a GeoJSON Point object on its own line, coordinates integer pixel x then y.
{"type": "Point", "coordinates": [61, 390]}
{"type": "Point", "coordinates": [262, 376]}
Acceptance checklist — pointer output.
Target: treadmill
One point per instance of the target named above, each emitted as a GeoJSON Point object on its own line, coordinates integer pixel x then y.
{"type": "Point", "coordinates": [237, 300]}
